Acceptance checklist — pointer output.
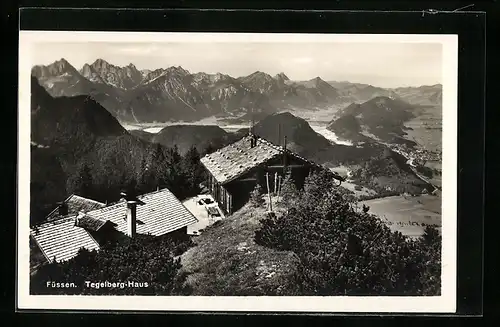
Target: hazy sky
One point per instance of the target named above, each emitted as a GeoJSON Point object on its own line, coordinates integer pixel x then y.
{"type": "Point", "coordinates": [386, 65]}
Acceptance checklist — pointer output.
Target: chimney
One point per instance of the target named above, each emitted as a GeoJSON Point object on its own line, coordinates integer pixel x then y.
{"type": "Point", "coordinates": [63, 209]}
{"type": "Point", "coordinates": [80, 215]}
{"type": "Point", "coordinates": [131, 218]}
{"type": "Point", "coordinates": [253, 141]}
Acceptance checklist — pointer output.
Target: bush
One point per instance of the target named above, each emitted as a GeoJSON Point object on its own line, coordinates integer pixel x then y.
{"type": "Point", "coordinates": [288, 190]}
{"type": "Point", "coordinates": [256, 198]}
{"type": "Point", "coordinates": [346, 252]}
{"type": "Point", "coordinates": [144, 259]}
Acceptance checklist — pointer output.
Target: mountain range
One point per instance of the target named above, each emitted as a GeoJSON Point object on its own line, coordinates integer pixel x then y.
{"type": "Point", "coordinates": [175, 94]}
{"type": "Point", "coordinates": [71, 135]}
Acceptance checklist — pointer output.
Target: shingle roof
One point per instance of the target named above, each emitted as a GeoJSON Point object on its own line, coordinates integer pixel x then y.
{"type": "Point", "coordinates": [236, 159]}
{"type": "Point", "coordinates": [76, 204]}
{"type": "Point", "coordinates": [62, 239]}
{"type": "Point", "coordinates": [162, 213]}
{"type": "Point", "coordinates": [90, 223]}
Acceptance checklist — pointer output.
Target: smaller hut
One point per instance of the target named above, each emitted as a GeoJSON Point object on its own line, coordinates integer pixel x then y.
{"type": "Point", "coordinates": [83, 223]}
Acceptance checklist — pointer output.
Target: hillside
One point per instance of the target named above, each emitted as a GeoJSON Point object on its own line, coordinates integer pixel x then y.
{"type": "Point", "coordinates": [391, 171]}
{"type": "Point", "coordinates": [186, 136]}
{"type": "Point", "coordinates": [68, 132]}
{"type": "Point", "coordinates": [47, 181]}
{"type": "Point", "coordinates": [54, 123]}
{"type": "Point", "coordinates": [349, 128]}
{"type": "Point", "coordinates": [226, 260]}
{"type": "Point", "coordinates": [252, 254]}
{"type": "Point", "coordinates": [302, 139]}
{"type": "Point", "coordinates": [381, 118]}
{"type": "Point", "coordinates": [78, 146]}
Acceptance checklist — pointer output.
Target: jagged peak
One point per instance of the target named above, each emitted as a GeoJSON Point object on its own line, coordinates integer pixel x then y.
{"type": "Point", "coordinates": [317, 79]}
{"type": "Point", "coordinates": [100, 62]}
{"type": "Point", "coordinates": [61, 62]}
{"type": "Point", "coordinates": [60, 65]}
{"type": "Point", "coordinates": [218, 76]}
{"type": "Point", "coordinates": [258, 73]}
{"type": "Point", "coordinates": [86, 68]}
{"type": "Point", "coordinates": [177, 69]}
{"type": "Point", "coordinates": [282, 76]}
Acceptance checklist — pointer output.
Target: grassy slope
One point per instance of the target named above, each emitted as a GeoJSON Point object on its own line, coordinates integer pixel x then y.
{"type": "Point", "coordinates": [226, 260]}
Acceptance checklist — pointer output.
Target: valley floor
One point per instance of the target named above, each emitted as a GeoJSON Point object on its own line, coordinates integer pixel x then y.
{"type": "Point", "coordinates": [407, 214]}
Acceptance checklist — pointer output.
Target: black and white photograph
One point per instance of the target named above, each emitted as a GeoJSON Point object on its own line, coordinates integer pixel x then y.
{"type": "Point", "coordinates": [237, 172]}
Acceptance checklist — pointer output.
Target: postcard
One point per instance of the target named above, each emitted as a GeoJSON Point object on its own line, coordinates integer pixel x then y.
{"type": "Point", "coordinates": [234, 172]}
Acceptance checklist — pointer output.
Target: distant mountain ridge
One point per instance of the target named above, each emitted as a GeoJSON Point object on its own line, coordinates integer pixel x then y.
{"type": "Point", "coordinates": [381, 118]}
{"type": "Point", "coordinates": [359, 92]}
{"type": "Point", "coordinates": [175, 94]}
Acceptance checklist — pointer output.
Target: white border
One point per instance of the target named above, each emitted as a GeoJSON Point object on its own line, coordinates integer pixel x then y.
{"type": "Point", "coordinates": [440, 304]}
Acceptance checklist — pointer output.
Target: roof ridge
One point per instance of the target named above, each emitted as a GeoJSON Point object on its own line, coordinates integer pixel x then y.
{"type": "Point", "coordinates": [108, 207]}
{"type": "Point", "coordinates": [57, 206]}
{"type": "Point", "coordinates": [122, 201]}
{"type": "Point", "coordinates": [87, 199]}
{"type": "Point", "coordinates": [54, 221]}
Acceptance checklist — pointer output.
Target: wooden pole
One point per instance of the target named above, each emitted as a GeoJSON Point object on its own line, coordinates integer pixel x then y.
{"type": "Point", "coordinates": [269, 193]}
{"type": "Point", "coordinates": [275, 182]}
{"type": "Point", "coordinates": [284, 155]}
{"type": "Point", "coordinates": [279, 133]}
{"type": "Point", "coordinates": [279, 186]}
